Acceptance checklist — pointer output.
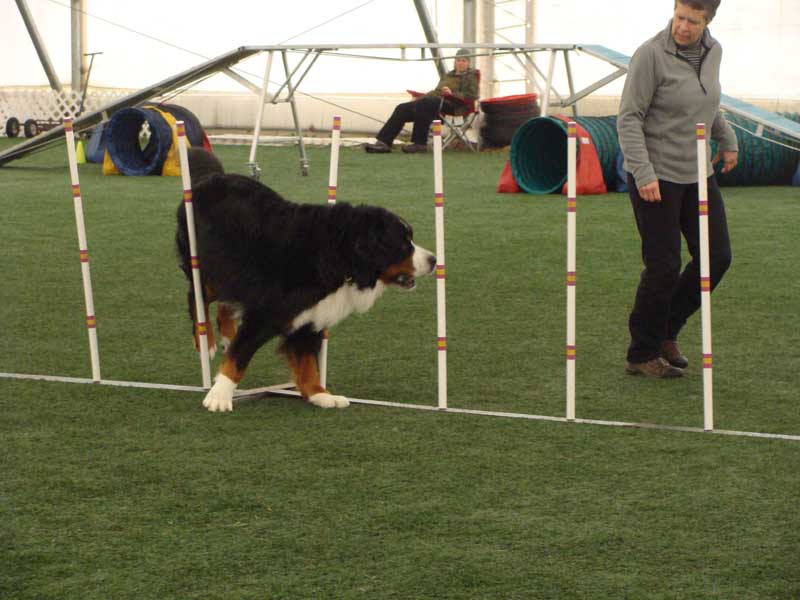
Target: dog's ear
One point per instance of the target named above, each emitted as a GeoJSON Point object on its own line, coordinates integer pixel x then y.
{"type": "Point", "coordinates": [369, 259]}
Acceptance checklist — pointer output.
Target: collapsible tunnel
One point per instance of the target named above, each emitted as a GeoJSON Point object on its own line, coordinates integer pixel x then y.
{"type": "Point", "coordinates": [539, 154]}
{"type": "Point", "coordinates": [762, 161]}
{"type": "Point", "coordinates": [127, 155]}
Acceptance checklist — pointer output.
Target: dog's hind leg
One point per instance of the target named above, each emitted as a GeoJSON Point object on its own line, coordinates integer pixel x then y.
{"type": "Point", "coordinates": [253, 334]}
{"type": "Point", "coordinates": [227, 323]}
{"type": "Point", "coordinates": [301, 349]}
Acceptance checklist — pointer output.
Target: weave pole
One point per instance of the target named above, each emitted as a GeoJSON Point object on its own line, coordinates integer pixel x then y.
{"type": "Point", "coordinates": [705, 278]}
{"type": "Point", "coordinates": [572, 206]}
{"type": "Point", "coordinates": [188, 205]}
{"type": "Point", "coordinates": [333, 176]}
{"type": "Point", "coordinates": [441, 316]}
{"type": "Point", "coordinates": [91, 319]}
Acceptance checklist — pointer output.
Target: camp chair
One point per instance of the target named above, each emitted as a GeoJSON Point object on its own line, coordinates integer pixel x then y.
{"type": "Point", "coordinates": [458, 125]}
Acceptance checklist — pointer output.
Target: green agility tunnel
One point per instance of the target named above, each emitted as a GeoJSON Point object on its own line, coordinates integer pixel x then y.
{"type": "Point", "coordinates": [764, 158]}
{"type": "Point", "coordinates": [539, 152]}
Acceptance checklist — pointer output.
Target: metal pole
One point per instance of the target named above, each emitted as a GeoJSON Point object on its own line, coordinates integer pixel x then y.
{"type": "Point", "coordinates": [548, 84]}
{"type": "Point", "coordinates": [86, 84]}
{"type": "Point", "coordinates": [570, 82]}
{"type": "Point", "coordinates": [44, 58]}
{"type": "Point", "coordinates": [301, 145]}
{"type": "Point", "coordinates": [487, 35]}
{"type": "Point", "coordinates": [430, 34]}
{"type": "Point", "coordinates": [78, 19]}
{"type": "Point", "coordinates": [530, 34]}
{"type": "Point", "coordinates": [470, 21]}
{"type": "Point", "coordinates": [255, 170]}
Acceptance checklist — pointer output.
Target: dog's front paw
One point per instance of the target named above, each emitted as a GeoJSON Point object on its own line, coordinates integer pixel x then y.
{"type": "Point", "coordinates": [326, 400]}
{"type": "Point", "coordinates": [220, 396]}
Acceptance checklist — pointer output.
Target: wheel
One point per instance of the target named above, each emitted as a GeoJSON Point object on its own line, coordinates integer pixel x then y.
{"type": "Point", "coordinates": [31, 128]}
{"type": "Point", "coordinates": [12, 127]}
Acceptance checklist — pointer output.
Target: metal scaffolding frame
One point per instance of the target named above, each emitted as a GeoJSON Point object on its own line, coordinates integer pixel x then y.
{"type": "Point", "coordinates": [309, 54]}
{"type": "Point", "coordinates": [293, 77]}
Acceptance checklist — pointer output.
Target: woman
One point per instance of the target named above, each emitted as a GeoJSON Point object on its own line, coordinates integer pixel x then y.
{"type": "Point", "coordinates": [452, 96]}
{"type": "Point", "coordinates": [672, 84]}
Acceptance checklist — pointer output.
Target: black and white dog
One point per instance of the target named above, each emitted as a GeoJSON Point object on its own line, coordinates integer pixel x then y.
{"type": "Point", "coordinates": [284, 269]}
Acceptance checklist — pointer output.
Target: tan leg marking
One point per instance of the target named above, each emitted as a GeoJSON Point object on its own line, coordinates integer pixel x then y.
{"type": "Point", "coordinates": [226, 322]}
{"type": "Point", "coordinates": [306, 374]}
{"type": "Point", "coordinates": [230, 370]}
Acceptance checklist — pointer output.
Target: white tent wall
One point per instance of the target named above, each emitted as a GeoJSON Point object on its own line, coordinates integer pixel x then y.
{"type": "Point", "coordinates": [147, 41]}
{"type": "Point", "coordinates": [760, 40]}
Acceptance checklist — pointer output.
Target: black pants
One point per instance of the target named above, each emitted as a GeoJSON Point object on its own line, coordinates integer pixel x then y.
{"type": "Point", "coordinates": [666, 298]}
{"type": "Point", "coordinates": [421, 111]}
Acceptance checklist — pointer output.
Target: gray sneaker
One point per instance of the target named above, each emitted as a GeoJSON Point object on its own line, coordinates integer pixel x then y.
{"type": "Point", "coordinates": [658, 368]}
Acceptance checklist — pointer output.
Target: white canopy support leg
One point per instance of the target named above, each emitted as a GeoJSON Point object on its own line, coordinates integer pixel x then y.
{"type": "Point", "coordinates": [255, 170]}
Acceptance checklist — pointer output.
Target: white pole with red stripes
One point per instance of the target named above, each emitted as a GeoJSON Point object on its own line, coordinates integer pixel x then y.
{"type": "Point", "coordinates": [333, 175]}
{"type": "Point", "coordinates": [441, 317]}
{"type": "Point", "coordinates": [202, 323]}
{"type": "Point", "coordinates": [91, 319]}
{"type": "Point", "coordinates": [572, 205]}
{"type": "Point", "coordinates": [705, 278]}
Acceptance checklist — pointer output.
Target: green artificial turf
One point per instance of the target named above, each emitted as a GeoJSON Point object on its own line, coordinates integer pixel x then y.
{"type": "Point", "coordinates": [134, 493]}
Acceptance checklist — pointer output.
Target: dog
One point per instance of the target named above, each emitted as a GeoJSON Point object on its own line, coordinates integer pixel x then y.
{"type": "Point", "coordinates": [277, 268]}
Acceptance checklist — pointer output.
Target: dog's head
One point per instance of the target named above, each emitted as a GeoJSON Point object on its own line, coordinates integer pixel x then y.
{"type": "Point", "coordinates": [385, 251]}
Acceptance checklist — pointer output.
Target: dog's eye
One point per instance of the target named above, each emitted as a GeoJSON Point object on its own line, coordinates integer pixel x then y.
{"type": "Point", "coordinates": [401, 278]}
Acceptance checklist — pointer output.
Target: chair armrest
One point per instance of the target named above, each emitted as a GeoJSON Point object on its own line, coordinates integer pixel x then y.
{"type": "Point", "coordinates": [468, 103]}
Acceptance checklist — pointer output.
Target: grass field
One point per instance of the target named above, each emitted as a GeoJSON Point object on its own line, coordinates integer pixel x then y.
{"type": "Point", "coordinates": [134, 493]}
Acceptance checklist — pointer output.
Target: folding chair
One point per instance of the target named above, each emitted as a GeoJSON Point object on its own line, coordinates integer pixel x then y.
{"type": "Point", "coordinates": [459, 125]}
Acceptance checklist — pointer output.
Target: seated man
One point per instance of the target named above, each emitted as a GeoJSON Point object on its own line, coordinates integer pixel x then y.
{"type": "Point", "coordinates": [452, 96]}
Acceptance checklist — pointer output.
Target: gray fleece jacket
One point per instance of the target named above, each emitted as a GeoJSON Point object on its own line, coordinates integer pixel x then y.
{"type": "Point", "coordinates": [663, 100]}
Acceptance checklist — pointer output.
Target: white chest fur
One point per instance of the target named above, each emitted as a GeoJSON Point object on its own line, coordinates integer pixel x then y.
{"type": "Point", "coordinates": [338, 305]}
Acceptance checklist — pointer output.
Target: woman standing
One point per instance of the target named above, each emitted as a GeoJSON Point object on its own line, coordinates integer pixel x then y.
{"type": "Point", "coordinates": [673, 84]}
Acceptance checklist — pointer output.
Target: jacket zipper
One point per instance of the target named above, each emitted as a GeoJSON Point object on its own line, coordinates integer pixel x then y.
{"type": "Point", "coordinates": [702, 58]}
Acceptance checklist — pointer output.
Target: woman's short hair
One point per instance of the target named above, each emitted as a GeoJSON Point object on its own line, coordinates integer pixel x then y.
{"type": "Point", "coordinates": [708, 6]}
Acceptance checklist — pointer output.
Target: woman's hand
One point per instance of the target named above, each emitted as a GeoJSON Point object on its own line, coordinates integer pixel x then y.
{"type": "Point", "coordinates": [729, 160]}
{"type": "Point", "coordinates": [650, 192]}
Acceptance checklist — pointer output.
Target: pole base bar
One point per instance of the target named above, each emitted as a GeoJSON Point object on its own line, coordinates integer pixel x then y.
{"type": "Point", "coordinates": [285, 389]}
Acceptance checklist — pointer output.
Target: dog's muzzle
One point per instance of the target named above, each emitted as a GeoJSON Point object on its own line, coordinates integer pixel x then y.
{"type": "Point", "coordinates": [424, 261]}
